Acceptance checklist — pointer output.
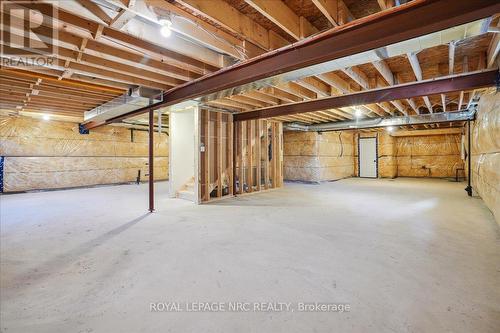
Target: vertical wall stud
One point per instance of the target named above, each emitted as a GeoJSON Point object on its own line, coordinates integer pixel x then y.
{"type": "Point", "coordinates": [250, 155]}
{"type": "Point", "coordinates": [266, 149]}
{"type": "Point", "coordinates": [241, 157]}
{"type": "Point", "coordinates": [218, 170]}
{"type": "Point", "coordinates": [231, 153]}
{"type": "Point", "coordinates": [207, 154]}
{"type": "Point", "coordinates": [273, 154]}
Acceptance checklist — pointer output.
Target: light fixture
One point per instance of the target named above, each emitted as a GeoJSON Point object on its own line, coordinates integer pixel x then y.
{"type": "Point", "coordinates": [165, 23]}
{"type": "Point", "coordinates": [390, 128]}
{"type": "Point", "coordinates": [46, 117]}
{"type": "Point", "coordinates": [358, 113]}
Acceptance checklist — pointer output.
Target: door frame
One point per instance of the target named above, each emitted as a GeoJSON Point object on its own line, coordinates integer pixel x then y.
{"type": "Point", "coordinates": [376, 156]}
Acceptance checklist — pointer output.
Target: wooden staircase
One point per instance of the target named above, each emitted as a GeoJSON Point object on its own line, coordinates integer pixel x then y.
{"type": "Point", "coordinates": [186, 192]}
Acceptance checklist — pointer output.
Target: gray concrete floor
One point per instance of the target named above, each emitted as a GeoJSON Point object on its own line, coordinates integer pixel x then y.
{"type": "Point", "coordinates": [406, 255]}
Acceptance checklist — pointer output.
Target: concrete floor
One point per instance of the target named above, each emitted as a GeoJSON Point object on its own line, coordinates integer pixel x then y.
{"type": "Point", "coordinates": [406, 255]}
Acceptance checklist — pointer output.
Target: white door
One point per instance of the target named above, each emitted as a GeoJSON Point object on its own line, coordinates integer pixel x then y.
{"type": "Point", "coordinates": [368, 157]}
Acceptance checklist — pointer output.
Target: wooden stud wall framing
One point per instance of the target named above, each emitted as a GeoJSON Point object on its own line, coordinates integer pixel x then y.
{"type": "Point", "coordinates": [216, 157]}
{"type": "Point", "coordinates": [250, 142]}
{"type": "Point", "coordinates": [255, 170]}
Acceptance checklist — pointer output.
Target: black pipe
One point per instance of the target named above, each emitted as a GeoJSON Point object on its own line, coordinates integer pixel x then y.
{"type": "Point", "coordinates": [468, 189]}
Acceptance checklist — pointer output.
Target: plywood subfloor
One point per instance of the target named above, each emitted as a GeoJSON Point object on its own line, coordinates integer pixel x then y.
{"type": "Point", "coordinates": [406, 255]}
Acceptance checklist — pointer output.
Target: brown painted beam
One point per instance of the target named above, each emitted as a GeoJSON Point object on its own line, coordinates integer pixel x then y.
{"type": "Point", "coordinates": [469, 81]}
{"type": "Point", "coordinates": [374, 31]}
{"type": "Point", "coordinates": [391, 26]}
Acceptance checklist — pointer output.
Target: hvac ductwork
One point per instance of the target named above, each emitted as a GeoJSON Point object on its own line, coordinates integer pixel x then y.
{"type": "Point", "coordinates": [443, 117]}
{"type": "Point", "coordinates": [134, 99]}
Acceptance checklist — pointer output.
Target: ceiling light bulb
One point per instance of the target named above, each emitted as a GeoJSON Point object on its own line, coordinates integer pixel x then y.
{"type": "Point", "coordinates": [165, 23]}
{"type": "Point", "coordinates": [46, 117]}
{"type": "Point", "coordinates": [165, 31]}
{"type": "Point", "coordinates": [358, 113]}
{"type": "Point", "coordinates": [390, 128]}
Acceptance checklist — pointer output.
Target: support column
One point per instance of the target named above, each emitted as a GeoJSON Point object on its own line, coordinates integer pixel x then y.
{"type": "Point", "coordinates": [468, 189]}
{"type": "Point", "coordinates": [151, 161]}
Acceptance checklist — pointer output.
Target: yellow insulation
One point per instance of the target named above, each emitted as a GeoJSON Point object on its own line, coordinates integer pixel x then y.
{"type": "Point", "coordinates": [50, 154]}
{"type": "Point", "coordinates": [485, 160]}
{"type": "Point", "coordinates": [429, 156]}
{"type": "Point", "coordinates": [313, 157]}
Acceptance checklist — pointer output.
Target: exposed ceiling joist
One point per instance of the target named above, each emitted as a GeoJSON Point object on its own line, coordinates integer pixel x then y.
{"type": "Point", "coordinates": [281, 15]}
{"type": "Point", "coordinates": [372, 32]}
{"type": "Point", "coordinates": [330, 9]}
{"type": "Point", "coordinates": [417, 70]}
{"type": "Point", "coordinates": [96, 10]}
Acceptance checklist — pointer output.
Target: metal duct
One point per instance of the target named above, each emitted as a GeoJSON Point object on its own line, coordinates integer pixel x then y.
{"type": "Point", "coordinates": [132, 100]}
{"type": "Point", "coordinates": [442, 117]}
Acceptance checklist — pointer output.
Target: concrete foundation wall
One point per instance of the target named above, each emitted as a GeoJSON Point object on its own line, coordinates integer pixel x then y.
{"type": "Point", "coordinates": [52, 154]}
{"type": "Point", "coordinates": [485, 160]}
{"type": "Point", "coordinates": [313, 157]}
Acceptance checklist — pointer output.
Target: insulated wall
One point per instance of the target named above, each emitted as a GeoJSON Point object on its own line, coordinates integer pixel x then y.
{"type": "Point", "coordinates": [486, 152]}
{"type": "Point", "coordinates": [52, 154]}
{"type": "Point", "coordinates": [314, 157]}
{"type": "Point", "coordinates": [436, 156]}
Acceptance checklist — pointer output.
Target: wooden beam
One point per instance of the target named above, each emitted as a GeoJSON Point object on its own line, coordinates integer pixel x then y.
{"type": "Point", "coordinates": [203, 32]}
{"type": "Point", "coordinates": [386, 4]}
{"type": "Point", "coordinates": [417, 70]}
{"type": "Point", "coordinates": [249, 155]}
{"type": "Point", "coordinates": [451, 57]}
{"type": "Point", "coordinates": [218, 159]}
{"type": "Point", "coordinates": [230, 18]}
{"type": "Point", "coordinates": [230, 142]}
{"type": "Point", "coordinates": [313, 84]}
{"type": "Point", "coordinates": [72, 83]}
{"type": "Point", "coordinates": [384, 70]}
{"type": "Point", "coordinates": [96, 10]}
{"type": "Point", "coordinates": [358, 76]}
{"type": "Point", "coordinates": [208, 151]}
{"type": "Point", "coordinates": [335, 81]}
{"type": "Point", "coordinates": [121, 19]}
{"type": "Point", "coordinates": [493, 50]}
{"type": "Point", "coordinates": [266, 154]}
{"type": "Point", "coordinates": [177, 57]}
{"type": "Point", "coordinates": [329, 9]}
{"type": "Point", "coordinates": [415, 65]}
{"type": "Point", "coordinates": [241, 147]}
{"type": "Point", "coordinates": [281, 15]}
{"type": "Point", "coordinates": [297, 90]}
